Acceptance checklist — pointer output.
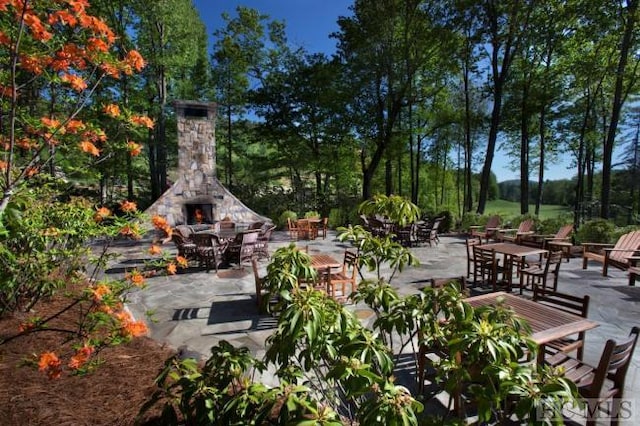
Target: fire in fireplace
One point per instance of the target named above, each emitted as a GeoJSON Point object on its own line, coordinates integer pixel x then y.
{"type": "Point", "coordinates": [197, 213]}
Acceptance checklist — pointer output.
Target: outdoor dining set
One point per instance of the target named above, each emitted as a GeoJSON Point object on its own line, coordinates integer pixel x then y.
{"type": "Point", "coordinates": [222, 243]}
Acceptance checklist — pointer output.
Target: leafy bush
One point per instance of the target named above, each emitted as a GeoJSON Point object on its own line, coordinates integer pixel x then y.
{"type": "Point", "coordinates": [447, 222]}
{"type": "Point", "coordinates": [287, 214]}
{"type": "Point", "coordinates": [596, 231]}
{"type": "Point", "coordinates": [311, 214]}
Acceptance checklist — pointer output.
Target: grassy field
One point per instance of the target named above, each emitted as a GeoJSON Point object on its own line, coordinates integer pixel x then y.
{"type": "Point", "coordinates": [511, 208]}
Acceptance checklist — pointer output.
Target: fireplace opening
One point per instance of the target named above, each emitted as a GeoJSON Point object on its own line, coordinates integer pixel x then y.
{"type": "Point", "coordinates": [198, 213]}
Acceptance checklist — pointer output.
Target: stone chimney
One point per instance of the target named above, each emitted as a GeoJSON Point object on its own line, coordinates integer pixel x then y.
{"type": "Point", "coordinates": [197, 196]}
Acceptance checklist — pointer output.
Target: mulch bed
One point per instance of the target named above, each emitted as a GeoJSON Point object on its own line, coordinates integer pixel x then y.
{"type": "Point", "coordinates": [111, 395]}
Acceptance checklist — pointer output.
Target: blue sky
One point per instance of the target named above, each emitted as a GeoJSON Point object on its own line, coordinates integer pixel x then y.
{"type": "Point", "coordinates": [308, 24]}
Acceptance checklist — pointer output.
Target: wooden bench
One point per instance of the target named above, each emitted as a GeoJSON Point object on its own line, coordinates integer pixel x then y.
{"type": "Point", "coordinates": [617, 256]}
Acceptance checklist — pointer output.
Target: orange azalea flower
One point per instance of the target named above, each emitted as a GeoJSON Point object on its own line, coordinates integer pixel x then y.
{"type": "Point", "coordinates": [81, 357]}
{"type": "Point", "coordinates": [51, 123]}
{"type": "Point", "coordinates": [112, 110]}
{"type": "Point", "coordinates": [37, 28]}
{"type": "Point", "coordinates": [97, 45]}
{"type": "Point", "coordinates": [32, 64]}
{"type": "Point", "coordinates": [128, 206]}
{"type": "Point", "coordinates": [135, 60]}
{"type": "Point", "coordinates": [78, 6]}
{"type": "Point", "coordinates": [155, 249]}
{"type": "Point", "coordinates": [26, 326]}
{"type": "Point", "coordinates": [4, 39]}
{"type": "Point", "coordinates": [110, 70]}
{"type": "Point", "coordinates": [74, 126]}
{"type": "Point", "coordinates": [63, 17]}
{"type": "Point", "coordinates": [159, 222]}
{"type": "Point", "coordinates": [89, 148]}
{"type": "Point", "coordinates": [31, 171]}
{"type": "Point", "coordinates": [134, 148]}
{"type": "Point", "coordinates": [141, 120]}
{"type": "Point", "coordinates": [101, 214]}
{"type": "Point", "coordinates": [182, 261]}
{"type": "Point", "coordinates": [50, 363]}
{"type": "Point", "coordinates": [100, 291]}
{"type": "Point", "coordinates": [136, 278]}
{"type": "Point", "coordinates": [76, 82]}
{"type": "Point", "coordinates": [136, 328]}
{"type": "Point", "coordinates": [130, 231]}
{"type": "Point", "coordinates": [3, 166]}
{"type": "Point", "coordinates": [171, 268]}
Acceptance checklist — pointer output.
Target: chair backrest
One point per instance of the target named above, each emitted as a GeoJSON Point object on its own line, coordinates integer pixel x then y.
{"type": "Point", "coordinates": [565, 302]}
{"type": "Point", "coordinates": [492, 222]}
{"type": "Point", "coordinates": [202, 240]}
{"type": "Point", "coordinates": [472, 241]}
{"type": "Point", "coordinates": [564, 232]}
{"type": "Point", "coordinates": [554, 260]}
{"type": "Point", "coordinates": [525, 226]}
{"type": "Point", "coordinates": [350, 263]}
{"type": "Point", "coordinates": [255, 225]}
{"type": "Point", "coordinates": [614, 363]}
{"type": "Point", "coordinates": [625, 247]}
{"type": "Point", "coordinates": [481, 255]}
{"type": "Point", "coordinates": [184, 230]}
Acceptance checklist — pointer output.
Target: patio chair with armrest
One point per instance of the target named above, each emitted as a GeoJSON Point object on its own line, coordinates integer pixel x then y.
{"type": "Point", "coordinates": [337, 281]}
{"type": "Point", "coordinates": [210, 250]}
{"type": "Point", "coordinates": [241, 249]}
{"type": "Point", "coordinates": [488, 231]}
{"type": "Point", "coordinates": [612, 255]}
{"type": "Point", "coordinates": [567, 303]}
{"type": "Point", "coordinates": [603, 382]}
{"type": "Point", "coordinates": [543, 240]}
{"type": "Point", "coordinates": [535, 275]}
{"type": "Point", "coordinates": [185, 245]}
{"type": "Point", "coordinates": [515, 235]}
{"type": "Point", "coordinates": [262, 244]}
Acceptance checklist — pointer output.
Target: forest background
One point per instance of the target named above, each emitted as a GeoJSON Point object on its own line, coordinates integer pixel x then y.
{"type": "Point", "coordinates": [415, 102]}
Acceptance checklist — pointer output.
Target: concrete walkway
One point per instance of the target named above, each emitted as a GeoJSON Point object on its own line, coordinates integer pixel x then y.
{"type": "Point", "coordinates": [194, 310]}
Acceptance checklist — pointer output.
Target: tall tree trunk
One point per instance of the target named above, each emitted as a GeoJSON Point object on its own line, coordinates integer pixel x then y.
{"type": "Point", "coordinates": [543, 141]}
{"type": "Point", "coordinates": [524, 151]}
{"type": "Point", "coordinates": [618, 100]}
{"type": "Point", "coordinates": [468, 146]}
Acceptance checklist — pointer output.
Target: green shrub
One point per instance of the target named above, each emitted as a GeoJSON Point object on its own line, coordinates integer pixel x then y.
{"type": "Point", "coordinates": [311, 213]}
{"type": "Point", "coordinates": [447, 222]}
{"type": "Point", "coordinates": [596, 231]}
{"type": "Point", "coordinates": [287, 214]}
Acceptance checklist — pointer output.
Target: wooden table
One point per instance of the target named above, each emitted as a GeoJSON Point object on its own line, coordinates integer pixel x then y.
{"type": "Point", "coordinates": [513, 254]}
{"type": "Point", "coordinates": [323, 261]}
{"type": "Point", "coordinates": [547, 324]}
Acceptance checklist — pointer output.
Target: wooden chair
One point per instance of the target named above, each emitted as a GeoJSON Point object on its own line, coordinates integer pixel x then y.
{"type": "Point", "coordinates": [535, 274]}
{"type": "Point", "coordinates": [185, 245]}
{"type": "Point", "coordinates": [488, 231]}
{"type": "Point", "coordinates": [292, 228]}
{"type": "Point", "coordinates": [486, 267]}
{"type": "Point", "coordinates": [242, 248]}
{"type": "Point", "coordinates": [261, 248]}
{"type": "Point", "coordinates": [568, 303]}
{"type": "Point", "coordinates": [337, 281]}
{"type": "Point", "coordinates": [603, 382]}
{"type": "Point", "coordinates": [542, 240]}
{"type": "Point", "coordinates": [260, 291]}
{"type": "Point", "coordinates": [428, 233]}
{"type": "Point", "coordinates": [305, 229]}
{"type": "Point", "coordinates": [617, 255]}
{"type": "Point", "coordinates": [210, 250]}
{"type": "Point", "coordinates": [471, 241]}
{"type": "Point", "coordinates": [324, 227]}
{"type": "Point", "coordinates": [515, 235]}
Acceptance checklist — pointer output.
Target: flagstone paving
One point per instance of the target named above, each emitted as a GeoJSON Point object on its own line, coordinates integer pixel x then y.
{"type": "Point", "coordinates": [194, 310]}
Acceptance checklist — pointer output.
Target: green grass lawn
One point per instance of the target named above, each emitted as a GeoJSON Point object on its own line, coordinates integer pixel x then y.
{"type": "Point", "coordinates": [511, 208]}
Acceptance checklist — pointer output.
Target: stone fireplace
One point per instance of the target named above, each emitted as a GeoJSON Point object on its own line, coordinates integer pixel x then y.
{"type": "Point", "coordinates": [197, 196]}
